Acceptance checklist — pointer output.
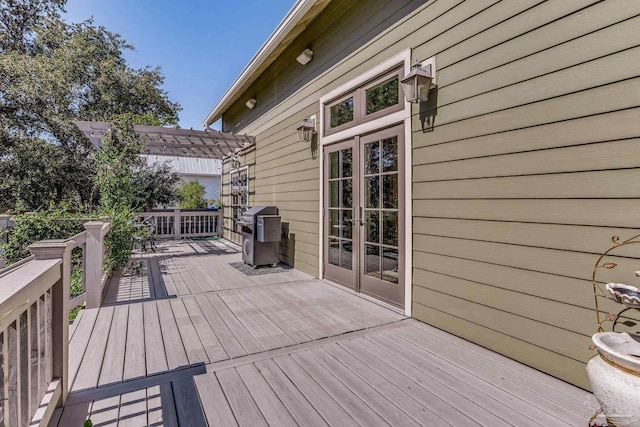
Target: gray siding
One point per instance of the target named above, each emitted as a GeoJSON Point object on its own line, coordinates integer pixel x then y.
{"type": "Point", "coordinates": [531, 168]}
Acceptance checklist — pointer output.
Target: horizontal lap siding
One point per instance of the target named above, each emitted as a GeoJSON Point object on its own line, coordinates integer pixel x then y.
{"type": "Point", "coordinates": [287, 176]}
{"type": "Point", "coordinates": [286, 170]}
{"type": "Point", "coordinates": [532, 167]}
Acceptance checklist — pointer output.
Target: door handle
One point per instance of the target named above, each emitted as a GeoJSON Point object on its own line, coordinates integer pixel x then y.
{"type": "Point", "coordinates": [361, 216]}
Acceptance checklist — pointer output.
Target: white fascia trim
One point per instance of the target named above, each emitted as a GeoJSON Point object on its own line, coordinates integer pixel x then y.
{"type": "Point", "coordinates": [293, 17]}
{"type": "Point", "coordinates": [403, 116]}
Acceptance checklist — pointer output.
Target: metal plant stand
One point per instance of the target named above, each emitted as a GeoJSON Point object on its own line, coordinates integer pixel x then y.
{"type": "Point", "coordinates": [614, 372]}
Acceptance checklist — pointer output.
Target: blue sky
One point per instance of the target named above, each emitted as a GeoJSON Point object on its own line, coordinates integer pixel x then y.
{"type": "Point", "coordinates": [201, 46]}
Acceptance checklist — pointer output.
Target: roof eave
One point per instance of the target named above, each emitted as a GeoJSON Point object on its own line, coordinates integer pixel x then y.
{"type": "Point", "coordinates": [293, 17]}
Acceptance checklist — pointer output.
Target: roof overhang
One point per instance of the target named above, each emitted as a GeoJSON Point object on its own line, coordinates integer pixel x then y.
{"type": "Point", "coordinates": [294, 23]}
{"type": "Point", "coordinates": [161, 141]}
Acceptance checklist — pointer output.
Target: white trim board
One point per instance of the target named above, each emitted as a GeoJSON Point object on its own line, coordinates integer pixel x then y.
{"type": "Point", "coordinates": [403, 116]}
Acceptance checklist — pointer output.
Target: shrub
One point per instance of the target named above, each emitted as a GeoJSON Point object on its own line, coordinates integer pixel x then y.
{"type": "Point", "coordinates": [191, 195]}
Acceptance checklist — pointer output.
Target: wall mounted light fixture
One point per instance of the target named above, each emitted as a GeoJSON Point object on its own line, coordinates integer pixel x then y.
{"type": "Point", "coordinates": [420, 80]}
{"type": "Point", "coordinates": [305, 57]}
{"type": "Point", "coordinates": [251, 103]}
{"type": "Point", "coordinates": [307, 129]}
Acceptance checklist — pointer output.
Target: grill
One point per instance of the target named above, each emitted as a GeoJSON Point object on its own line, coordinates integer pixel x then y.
{"type": "Point", "coordinates": [261, 231]}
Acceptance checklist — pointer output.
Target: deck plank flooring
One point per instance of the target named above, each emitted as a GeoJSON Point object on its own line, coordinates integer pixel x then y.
{"type": "Point", "coordinates": [189, 340]}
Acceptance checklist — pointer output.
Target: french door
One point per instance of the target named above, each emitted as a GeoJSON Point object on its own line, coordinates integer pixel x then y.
{"type": "Point", "coordinates": [363, 214]}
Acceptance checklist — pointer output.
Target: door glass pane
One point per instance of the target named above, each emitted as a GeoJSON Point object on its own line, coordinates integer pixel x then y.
{"type": "Point", "coordinates": [347, 225]}
{"type": "Point", "coordinates": [346, 254]}
{"type": "Point", "coordinates": [334, 251]}
{"type": "Point", "coordinates": [334, 196]}
{"type": "Point", "coordinates": [390, 191]}
{"type": "Point", "coordinates": [347, 193]}
{"type": "Point", "coordinates": [390, 265]}
{"type": "Point", "coordinates": [382, 95]}
{"type": "Point", "coordinates": [334, 165]}
{"type": "Point", "coordinates": [390, 154]}
{"type": "Point", "coordinates": [372, 224]}
{"type": "Point", "coordinates": [347, 158]}
{"type": "Point", "coordinates": [334, 222]}
{"type": "Point", "coordinates": [341, 113]}
{"type": "Point", "coordinates": [390, 228]}
{"type": "Point", "coordinates": [371, 158]}
{"type": "Point", "coordinates": [372, 260]}
{"type": "Point", "coordinates": [371, 192]}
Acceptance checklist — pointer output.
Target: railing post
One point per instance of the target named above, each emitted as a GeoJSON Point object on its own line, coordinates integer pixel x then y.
{"type": "Point", "coordinates": [93, 266]}
{"type": "Point", "coordinates": [177, 224]}
{"type": "Point", "coordinates": [58, 249]}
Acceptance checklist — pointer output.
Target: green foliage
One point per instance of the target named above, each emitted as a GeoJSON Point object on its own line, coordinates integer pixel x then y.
{"type": "Point", "coordinates": [154, 185]}
{"type": "Point", "coordinates": [119, 239]}
{"type": "Point", "coordinates": [191, 195]}
{"type": "Point", "coordinates": [51, 73]}
{"type": "Point", "coordinates": [30, 228]}
{"type": "Point", "coordinates": [117, 161]}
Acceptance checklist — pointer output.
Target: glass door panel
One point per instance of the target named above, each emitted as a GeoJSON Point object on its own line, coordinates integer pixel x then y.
{"type": "Point", "coordinates": [339, 205]}
{"type": "Point", "coordinates": [382, 182]}
{"type": "Point", "coordinates": [363, 207]}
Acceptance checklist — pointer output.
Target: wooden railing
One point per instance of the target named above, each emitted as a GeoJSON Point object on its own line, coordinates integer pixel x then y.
{"type": "Point", "coordinates": [34, 325]}
{"type": "Point", "coordinates": [191, 223]}
{"type": "Point", "coordinates": [93, 279]}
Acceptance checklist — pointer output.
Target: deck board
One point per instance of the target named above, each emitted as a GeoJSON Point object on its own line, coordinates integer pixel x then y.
{"type": "Point", "coordinates": [113, 364]}
{"type": "Point", "coordinates": [322, 402]}
{"type": "Point", "coordinates": [216, 408]}
{"type": "Point", "coordinates": [242, 404]}
{"type": "Point", "coordinates": [284, 349]}
{"type": "Point", "coordinates": [192, 344]}
{"type": "Point", "coordinates": [96, 349]}
{"type": "Point", "coordinates": [172, 341]}
{"type": "Point", "coordinates": [156, 361]}
{"type": "Point", "coordinates": [229, 342]}
{"type": "Point", "coordinates": [559, 404]}
{"type": "Point", "coordinates": [134, 360]}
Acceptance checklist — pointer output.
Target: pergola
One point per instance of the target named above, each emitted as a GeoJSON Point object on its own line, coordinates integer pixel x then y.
{"type": "Point", "coordinates": [161, 141]}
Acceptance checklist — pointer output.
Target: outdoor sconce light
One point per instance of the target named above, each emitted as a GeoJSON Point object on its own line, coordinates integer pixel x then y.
{"type": "Point", "coordinates": [307, 129]}
{"type": "Point", "coordinates": [251, 103]}
{"type": "Point", "coordinates": [420, 80]}
{"type": "Point", "coordinates": [305, 57]}
{"type": "Point", "coordinates": [235, 161]}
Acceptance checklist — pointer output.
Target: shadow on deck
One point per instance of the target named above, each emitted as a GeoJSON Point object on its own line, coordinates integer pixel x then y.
{"type": "Point", "coordinates": [190, 339]}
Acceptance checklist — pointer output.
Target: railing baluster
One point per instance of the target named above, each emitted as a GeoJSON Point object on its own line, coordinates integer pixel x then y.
{"type": "Point", "coordinates": [42, 342]}
{"type": "Point", "coordinates": [24, 377]}
{"type": "Point", "coordinates": [49, 319]}
{"type": "Point", "coordinates": [12, 381]}
{"type": "Point", "coordinates": [34, 371]}
{"type": "Point", "coordinates": [3, 372]}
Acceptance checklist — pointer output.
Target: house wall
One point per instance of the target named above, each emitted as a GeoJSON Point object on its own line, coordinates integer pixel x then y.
{"type": "Point", "coordinates": [530, 169]}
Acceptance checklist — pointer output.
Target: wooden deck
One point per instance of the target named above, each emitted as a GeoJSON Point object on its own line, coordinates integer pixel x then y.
{"type": "Point", "coordinates": [186, 339]}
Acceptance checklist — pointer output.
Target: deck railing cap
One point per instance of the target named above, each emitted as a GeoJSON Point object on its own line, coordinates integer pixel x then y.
{"type": "Point", "coordinates": [93, 224]}
{"type": "Point", "coordinates": [51, 249]}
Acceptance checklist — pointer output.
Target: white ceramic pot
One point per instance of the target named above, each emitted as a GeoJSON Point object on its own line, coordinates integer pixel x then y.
{"type": "Point", "coordinates": [614, 375]}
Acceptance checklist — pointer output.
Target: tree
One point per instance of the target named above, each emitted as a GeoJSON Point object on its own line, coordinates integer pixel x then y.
{"type": "Point", "coordinates": [154, 185]}
{"type": "Point", "coordinates": [191, 195]}
{"type": "Point", "coordinates": [52, 73]}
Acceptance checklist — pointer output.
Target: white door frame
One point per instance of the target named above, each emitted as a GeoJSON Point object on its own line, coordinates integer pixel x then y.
{"type": "Point", "coordinates": [402, 116]}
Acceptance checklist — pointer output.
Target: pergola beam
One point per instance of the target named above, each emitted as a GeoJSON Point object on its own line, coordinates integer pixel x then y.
{"type": "Point", "coordinates": [175, 142]}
